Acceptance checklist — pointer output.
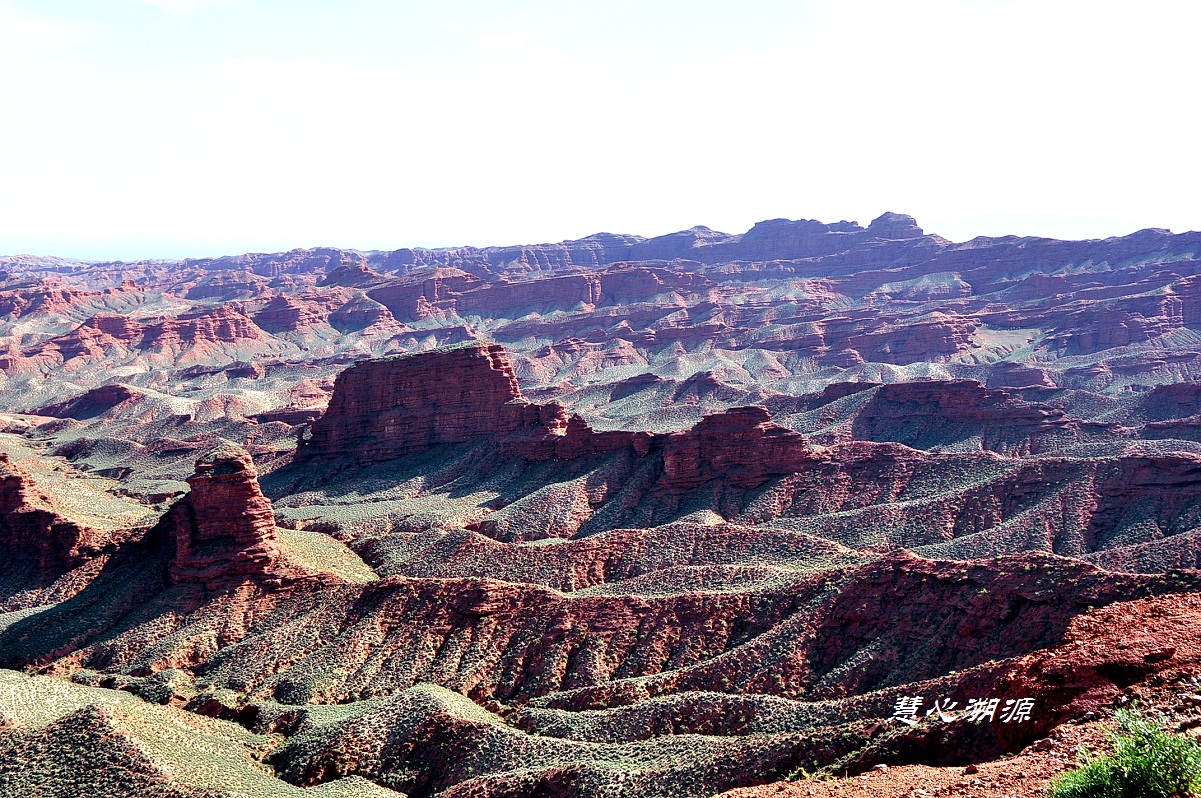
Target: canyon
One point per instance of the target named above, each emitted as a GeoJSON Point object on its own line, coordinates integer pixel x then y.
{"type": "Point", "coordinates": [627, 516]}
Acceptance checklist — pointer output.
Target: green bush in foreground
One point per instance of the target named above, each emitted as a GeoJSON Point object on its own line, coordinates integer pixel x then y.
{"type": "Point", "coordinates": [1147, 762]}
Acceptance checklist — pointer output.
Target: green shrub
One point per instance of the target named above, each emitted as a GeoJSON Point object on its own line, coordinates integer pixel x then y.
{"type": "Point", "coordinates": [1147, 762]}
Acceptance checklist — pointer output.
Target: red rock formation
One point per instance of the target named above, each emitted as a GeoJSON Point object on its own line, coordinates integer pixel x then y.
{"type": "Point", "coordinates": [364, 315]}
{"type": "Point", "coordinates": [923, 413]}
{"type": "Point", "coordinates": [223, 324]}
{"type": "Point", "coordinates": [741, 445]}
{"type": "Point", "coordinates": [290, 313]}
{"type": "Point", "coordinates": [937, 337]}
{"type": "Point", "coordinates": [383, 409]}
{"type": "Point", "coordinates": [92, 403]}
{"type": "Point", "coordinates": [353, 275]}
{"type": "Point", "coordinates": [1017, 375]}
{"type": "Point", "coordinates": [426, 295]}
{"type": "Point", "coordinates": [226, 285]}
{"type": "Point", "coordinates": [445, 290]}
{"type": "Point", "coordinates": [224, 530]}
{"type": "Point", "coordinates": [321, 260]}
{"type": "Point", "coordinates": [104, 332]}
{"type": "Point", "coordinates": [34, 535]}
{"type": "Point", "coordinates": [1178, 400]}
{"type": "Point", "coordinates": [52, 296]}
{"type": "Point", "coordinates": [94, 338]}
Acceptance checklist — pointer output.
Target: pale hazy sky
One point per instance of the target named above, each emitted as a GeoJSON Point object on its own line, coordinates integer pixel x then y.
{"type": "Point", "coordinates": [164, 128]}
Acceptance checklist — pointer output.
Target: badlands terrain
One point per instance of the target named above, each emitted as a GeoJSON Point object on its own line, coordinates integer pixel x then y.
{"type": "Point", "coordinates": [609, 517]}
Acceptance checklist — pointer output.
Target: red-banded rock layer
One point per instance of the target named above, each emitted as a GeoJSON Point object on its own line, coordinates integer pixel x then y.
{"type": "Point", "coordinates": [937, 337]}
{"type": "Point", "coordinates": [444, 291]}
{"type": "Point", "coordinates": [1179, 400]}
{"type": "Point", "coordinates": [741, 445]}
{"type": "Point", "coordinates": [388, 408]}
{"type": "Point", "coordinates": [848, 338]}
{"type": "Point", "coordinates": [425, 296]}
{"type": "Point", "coordinates": [105, 332]}
{"type": "Point", "coordinates": [222, 324]}
{"type": "Point", "coordinates": [33, 535]}
{"type": "Point", "coordinates": [297, 261]}
{"type": "Point", "coordinates": [922, 413]}
{"type": "Point", "coordinates": [92, 403]}
{"type": "Point", "coordinates": [224, 530]}
{"type": "Point", "coordinates": [94, 337]}
{"type": "Point", "coordinates": [53, 296]}
{"type": "Point", "coordinates": [284, 313]}
{"type": "Point", "coordinates": [364, 315]}
{"type": "Point", "coordinates": [393, 407]}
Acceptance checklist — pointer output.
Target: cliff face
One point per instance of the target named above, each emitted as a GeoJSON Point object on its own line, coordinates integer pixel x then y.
{"type": "Point", "coordinates": [384, 409]}
{"type": "Point", "coordinates": [922, 413]}
{"type": "Point", "coordinates": [90, 404]}
{"type": "Point", "coordinates": [741, 445]}
{"type": "Point", "coordinates": [32, 534]}
{"type": "Point", "coordinates": [224, 530]}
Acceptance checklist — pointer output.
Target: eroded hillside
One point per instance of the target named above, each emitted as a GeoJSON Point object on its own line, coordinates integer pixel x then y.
{"type": "Point", "coordinates": [618, 516]}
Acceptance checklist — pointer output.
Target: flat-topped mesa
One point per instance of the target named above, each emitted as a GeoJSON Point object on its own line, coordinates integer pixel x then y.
{"type": "Point", "coordinates": [388, 408]}
{"type": "Point", "coordinates": [741, 445]}
{"type": "Point", "coordinates": [225, 528]}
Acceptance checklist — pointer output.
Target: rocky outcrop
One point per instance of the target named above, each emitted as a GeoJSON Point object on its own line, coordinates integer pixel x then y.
{"type": "Point", "coordinates": [443, 291]}
{"type": "Point", "coordinates": [773, 239]}
{"type": "Point", "coordinates": [321, 260]}
{"type": "Point", "coordinates": [33, 534]}
{"type": "Point", "coordinates": [1008, 374]}
{"type": "Point", "coordinates": [929, 413]}
{"type": "Point", "coordinates": [224, 529]}
{"type": "Point", "coordinates": [1179, 400]}
{"type": "Point", "coordinates": [392, 407]}
{"type": "Point", "coordinates": [353, 275]}
{"type": "Point", "coordinates": [223, 324]}
{"type": "Point", "coordinates": [430, 294]}
{"type": "Point", "coordinates": [95, 402]}
{"type": "Point", "coordinates": [364, 315]}
{"type": "Point", "coordinates": [104, 333]}
{"type": "Point", "coordinates": [51, 295]}
{"type": "Point", "coordinates": [936, 337]}
{"type": "Point", "coordinates": [741, 445]}
{"type": "Point", "coordinates": [290, 313]}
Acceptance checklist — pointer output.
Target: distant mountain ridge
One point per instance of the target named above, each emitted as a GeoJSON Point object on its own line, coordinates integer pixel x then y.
{"type": "Point", "coordinates": [894, 237]}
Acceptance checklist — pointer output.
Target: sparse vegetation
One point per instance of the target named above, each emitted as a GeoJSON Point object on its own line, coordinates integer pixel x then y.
{"type": "Point", "coordinates": [1146, 762]}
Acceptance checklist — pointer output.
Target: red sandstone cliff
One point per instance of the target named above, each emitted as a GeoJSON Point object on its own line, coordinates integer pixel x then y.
{"type": "Point", "coordinates": [97, 337]}
{"type": "Point", "coordinates": [741, 445]}
{"type": "Point", "coordinates": [34, 535]}
{"type": "Point", "coordinates": [925, 413]}
{"type": "Point", "coordinates": [92, 403]}
{"type": "Point", "coordinates": [383, 409]}
{"type": "Point", "coordinates": [389, 408]}
{"type": "Point", "coordinates": [224, 530]}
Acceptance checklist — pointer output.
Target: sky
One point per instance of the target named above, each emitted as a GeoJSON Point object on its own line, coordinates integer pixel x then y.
{"type": "Point", "coordinates": [169, 128]}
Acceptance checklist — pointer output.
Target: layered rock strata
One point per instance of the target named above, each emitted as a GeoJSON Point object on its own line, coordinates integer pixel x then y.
{"type": "Point", "coordinates": [224, 529]}
{"type": "Point", "coordinates": [924, 413]}
{"type": "Point", "coordinates": [389, 408]}
{"type": "Point", "coordinates": [34, 534]}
